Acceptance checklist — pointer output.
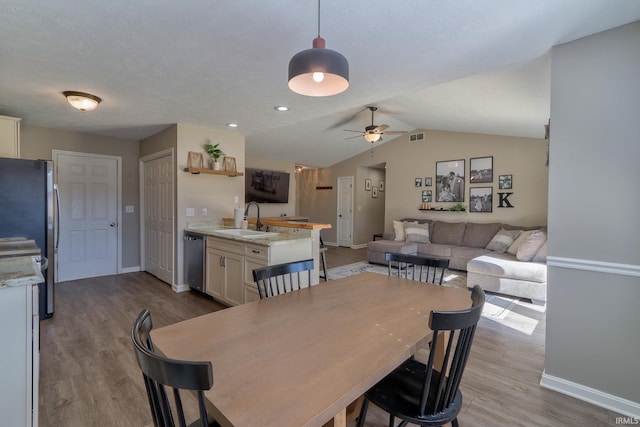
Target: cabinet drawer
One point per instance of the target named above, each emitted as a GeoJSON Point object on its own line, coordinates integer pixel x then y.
{"type": "Point", "coordinates": [256, 251]}
{"type": "Point", "coordinates": [224, 244]}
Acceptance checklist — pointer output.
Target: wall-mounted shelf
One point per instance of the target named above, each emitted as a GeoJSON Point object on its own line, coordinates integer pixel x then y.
{"type": "Point", "coordinates": [438, 210]}
{"type": "Point", "coordinates": [196, 171]}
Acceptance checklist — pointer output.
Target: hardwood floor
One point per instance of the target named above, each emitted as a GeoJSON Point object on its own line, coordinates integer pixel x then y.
{"type": "Point", "coordinates": [88, 375]}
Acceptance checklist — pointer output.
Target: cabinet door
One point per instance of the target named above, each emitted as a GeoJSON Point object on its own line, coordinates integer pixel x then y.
{"type": "Point", "coordinates": [233, 264]}
{"type": "Point", "coordinates": [9, 137]}
{"type": "Point", "coordinates": [215, 273]}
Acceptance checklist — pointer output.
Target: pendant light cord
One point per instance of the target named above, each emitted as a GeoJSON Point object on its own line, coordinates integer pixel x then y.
{"type": "Point", "coordinates": [318, 18]}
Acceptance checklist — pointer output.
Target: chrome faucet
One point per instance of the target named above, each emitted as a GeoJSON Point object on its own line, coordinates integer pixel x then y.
{"type": "Point", "coordinates": [246, 212]}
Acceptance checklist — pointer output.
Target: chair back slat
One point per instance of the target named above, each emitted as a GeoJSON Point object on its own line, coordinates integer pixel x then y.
{"type": "Point", "coordinates": [160, 372]}
{"type": "Point", "coordinates": [415, 267]}
{"type": "Point", "coordinates": [282, 278]}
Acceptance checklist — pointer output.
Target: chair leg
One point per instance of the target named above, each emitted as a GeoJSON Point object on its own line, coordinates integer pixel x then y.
{"type": "Point", "coordinates": [392, 420]}
{"type": "Point", "coordinates": [324, 265]}
{"type": "Point", "coordinates": [454, 422]}
{"type": "Point", "coordinates": [363, 412]}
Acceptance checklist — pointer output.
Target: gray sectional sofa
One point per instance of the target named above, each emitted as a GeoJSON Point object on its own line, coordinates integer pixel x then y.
{"type": "Point", "coordinates": [468, 246]}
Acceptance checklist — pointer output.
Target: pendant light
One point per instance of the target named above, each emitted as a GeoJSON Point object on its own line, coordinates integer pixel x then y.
{"type": "Point", "coordinates": [318, 71]}
{"type": "Point", "coordinates": [82, 101]}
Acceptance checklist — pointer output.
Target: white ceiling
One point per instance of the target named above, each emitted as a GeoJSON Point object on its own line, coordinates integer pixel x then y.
{"type": "Point", "coordinates": [474, 66]}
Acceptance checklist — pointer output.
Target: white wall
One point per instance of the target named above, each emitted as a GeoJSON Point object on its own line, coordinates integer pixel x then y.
{"type": "Point", "coordinates": [592, 341]}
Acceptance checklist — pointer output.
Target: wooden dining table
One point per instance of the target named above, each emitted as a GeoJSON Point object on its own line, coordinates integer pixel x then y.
{"type": "Point", "coordinates": [299, 359]}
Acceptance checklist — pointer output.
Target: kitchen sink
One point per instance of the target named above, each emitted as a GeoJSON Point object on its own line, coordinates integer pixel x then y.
{"type": "Point", "coordinates": [245, 234]}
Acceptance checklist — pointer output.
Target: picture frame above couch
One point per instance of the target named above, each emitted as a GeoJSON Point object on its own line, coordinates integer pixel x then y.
{"type": "Point", "coordinates": [450, 181]}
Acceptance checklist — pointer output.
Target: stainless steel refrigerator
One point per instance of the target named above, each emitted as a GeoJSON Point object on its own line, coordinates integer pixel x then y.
{"type": "Point", "coordinates": [28, 208]}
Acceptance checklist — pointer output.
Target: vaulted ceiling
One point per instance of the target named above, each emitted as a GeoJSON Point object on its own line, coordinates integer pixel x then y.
{"type": "Point", "coordinates": [473, 66]}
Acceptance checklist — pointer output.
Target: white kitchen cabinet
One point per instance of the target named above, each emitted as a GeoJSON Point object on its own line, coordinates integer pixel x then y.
{"type": "Point", "coordinates": [230, 264]}
{"type": "Point", "coordinates": [9, 137]}
{"type": "Point", "coordinates": [19, 358]}
{"type": "Point", "coordinates": [224, 264]}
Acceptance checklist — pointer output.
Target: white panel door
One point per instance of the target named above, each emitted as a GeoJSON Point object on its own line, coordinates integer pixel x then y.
{"type": "Point", "coordinates": [88, 232]}
{"type": "Point", "coordinates": [158, 218]}
{"type": "Point", "coordinates": [345, 211]}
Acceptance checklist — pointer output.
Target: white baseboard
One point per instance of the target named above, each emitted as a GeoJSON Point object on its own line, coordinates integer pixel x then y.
{"type": "Point", "coordinates": [364, 245]}
{"type": "Point", "coordinates": [591, 395]}
{"type": "Point", "coordinates": [331, 244]}
{"type": "Point", "coordinates": [130, 269]}
{"type": "Point", "coordinates": [180, 288]}
{"type": "Point", "coordinates": [590, 265]}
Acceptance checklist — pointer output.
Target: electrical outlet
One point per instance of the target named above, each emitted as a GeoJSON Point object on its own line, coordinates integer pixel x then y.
{"type": "Point", "coordinates": [204, 211]}
{"type": "Point", "coordinates": [129, 209]}
{"type": "Point", "coordinates": [191, 212]}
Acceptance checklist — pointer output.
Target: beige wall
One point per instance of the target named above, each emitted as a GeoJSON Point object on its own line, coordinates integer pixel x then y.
{"type": "Point", "coordinates": [37, 143]}
{"type": "Point", "coordinates": [274, 209]}
{"type": "Point", "coordinates": [524, 158]}
{"type": "Point", "coordinates": [592, 343]}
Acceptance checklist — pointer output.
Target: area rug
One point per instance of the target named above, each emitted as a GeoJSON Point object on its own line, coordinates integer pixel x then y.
{"type": "Point", "coordinates": [496, 306]}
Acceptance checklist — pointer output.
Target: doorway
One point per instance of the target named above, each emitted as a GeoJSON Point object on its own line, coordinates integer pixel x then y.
{"type": "Point", "coordinates": [345, 211]}
{"type": "Point", "coordinates": [157, 214]}
{"type": "Point", "coordinates": [89, 233]}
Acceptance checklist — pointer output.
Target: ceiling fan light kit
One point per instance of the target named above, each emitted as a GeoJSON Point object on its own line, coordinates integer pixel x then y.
{"type": "Point", "coordinates": [373, 133]}
{"type": "Point", "coordinates": [81, 100]}
{"type": "Point", "coordinates": [318, 71]}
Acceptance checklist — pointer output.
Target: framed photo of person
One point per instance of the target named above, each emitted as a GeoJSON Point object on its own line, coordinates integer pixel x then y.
{"type": "Point", "coordinates": [481, 170]}
{"type": "Point", "coordinates": [505, 182]}
{"type": "Point", "coordinates": [450, 181]}
{"type": "Point", "coordinates": [481, 199]}
{"type": "Point", "coordinates": [427, 181]}
{"type": "Point", "coordinates": [418, 182]}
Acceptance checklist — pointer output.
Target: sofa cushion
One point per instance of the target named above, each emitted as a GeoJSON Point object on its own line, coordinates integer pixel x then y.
{"type": "Point", "coordinates": [479, 235]}
{"type": "Point", "coordinates": [507, 266]}
{"type": "Point", "coordinates": [448, 233]}
{"type": "Point", "coordinates": [434, 249]}
{"type": "Point", "coordinates": [465, 252]}
{"type": "Point", "coordinates": [531, 245]}
{"type": "Point", "coordinates": [417, 233]}
{"type": "Point", "coordinates": [513, 249]}
{"type": "Point", "coordinates": [392, 246]}
{"type": "Point", "coordinates": [541, 255]}
{"type": "Point", "coordinates": [398, 229]}
{"type": "Point", "coordinates": [502, 240]}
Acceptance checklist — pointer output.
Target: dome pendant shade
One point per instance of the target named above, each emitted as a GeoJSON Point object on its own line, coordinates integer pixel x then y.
{"type": "Point", "coordinates": [82, 101]}
{"type": "Point", "coordinates": [318, 71]}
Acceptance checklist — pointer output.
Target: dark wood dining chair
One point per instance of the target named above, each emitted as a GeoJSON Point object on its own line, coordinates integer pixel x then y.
{"type": "Point", "coordinates": [429, 394]}
{"type": "Point", "coordinates": [161, 373]}
{"type": "Point", "coordinates": [282, 278]}
{"type": "Point", "coordinates": [417, 267]}
{"type": "Point", "coordinates": [323, 260]}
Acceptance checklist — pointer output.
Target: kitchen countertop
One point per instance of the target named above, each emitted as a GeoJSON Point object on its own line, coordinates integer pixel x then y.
{"type": "Point", "coordinates": [19, 271]}
{"type": "Point", "coordinates": [287, 221]}
{"type": "Point", "coordinates": [209, 229]}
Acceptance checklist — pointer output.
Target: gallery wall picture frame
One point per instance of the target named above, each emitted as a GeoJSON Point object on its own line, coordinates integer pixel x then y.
{"type": "Point", "coordinates": [195, 160]}
{"type": "Point", "coordinates": [428, 182]}
{"type": "Point", "coordinates": [426, 196]}
{"type": "Point", "coordinates": [481, 170]}
{"type": "Point", "coordinates": [450, 181]}
{"type": "Point", "coordinates": [367, 185]}
{"type": "Point", "coordinates": [418, 182]}
{"type": "Point", "coordinates": [230, 163]}
{"type": "Point", "coordinates": [505, 182]}
{"type": "Point", "coordinates": [481, 199]}
{"type": "Point", "coordinates": [374, 192]}
{"type": "Point", "coordinates": [381, 185]}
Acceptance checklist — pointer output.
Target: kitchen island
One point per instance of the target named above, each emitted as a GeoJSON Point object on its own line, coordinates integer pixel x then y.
{"type": "Point", "coordinates": [231, 254]}
{"type": "Point", "coordinates": [19, 329]}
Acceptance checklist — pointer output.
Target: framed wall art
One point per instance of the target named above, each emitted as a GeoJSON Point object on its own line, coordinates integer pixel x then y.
{"type": "Point", "coordinates": [427, 181]}
{"type": "Point", "coordinates": [374, 192]}
{"type": "Point", "coordinates": [367, 184]}
{"type": "Point", "coordinates": [418, 182]}
{"type": "Point", "coordinates": [230, 163]}
{"type": "Point", "coordinates": [481, 170]}
{"type": "Point", "coordinates": [505, 182]}
{"type": "Point", "coordinates": [426, 196]}
{"type": "Point", "coordinates": [481, 199]}
{"type": "Point", "coordinates": [381, 185]}
{"type": "Point", "coordinates": [450, 181]}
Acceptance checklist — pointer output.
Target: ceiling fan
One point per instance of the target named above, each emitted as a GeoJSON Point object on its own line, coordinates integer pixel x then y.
{"type": "Point", "coordinates": [373, 133]}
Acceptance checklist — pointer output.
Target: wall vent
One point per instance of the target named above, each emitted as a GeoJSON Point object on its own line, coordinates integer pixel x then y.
{"type": "Point", "coordinates": [415, 137]}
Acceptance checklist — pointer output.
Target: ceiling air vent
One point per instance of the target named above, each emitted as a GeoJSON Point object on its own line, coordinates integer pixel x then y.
{"type": "Point", "coordinates": [415, 137]}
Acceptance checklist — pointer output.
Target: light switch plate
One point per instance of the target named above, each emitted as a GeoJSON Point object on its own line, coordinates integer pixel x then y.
{"type": "Point", "coordinates": [129, 209]}
{"type": "Point", "coordinates": [191, 212]}
{"type": "Point", "coordinates": [204, 211]}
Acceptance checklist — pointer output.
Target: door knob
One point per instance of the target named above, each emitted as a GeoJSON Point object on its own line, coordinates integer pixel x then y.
{"type": "Point", "coordinates": [113, 224]}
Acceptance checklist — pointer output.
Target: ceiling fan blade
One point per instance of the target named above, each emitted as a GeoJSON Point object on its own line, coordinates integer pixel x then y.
{"type": "Point", "coordinates": [396, 132]}
{"type": "Point", "coordinates": [380, 129]}
{"type": "Point", "coordinates": [349, 130]}
{"type": "Point", "coordinates": [351, 137]}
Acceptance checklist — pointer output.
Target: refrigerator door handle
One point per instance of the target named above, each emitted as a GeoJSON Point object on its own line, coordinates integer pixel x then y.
{"type": "Point", "coordinates": [57, 230]}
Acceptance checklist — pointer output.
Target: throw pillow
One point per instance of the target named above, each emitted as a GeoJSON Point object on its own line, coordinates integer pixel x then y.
{"type": "Point", "coordinates": [398, 229]}
{"type": "Point", "coordinates": [531, 245]}
{"type": "Point", "coordinates": [502, 240]}
{"type": "Point", "coordinates": [417, 233]}
{"type": "Point", "coordinates": [541, 255]}
{"type": "Point", "coordinates": [513, 249]}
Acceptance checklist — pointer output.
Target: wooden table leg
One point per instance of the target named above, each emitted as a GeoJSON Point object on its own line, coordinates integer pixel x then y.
{"type": "Point", "coordinates": [340, 419]}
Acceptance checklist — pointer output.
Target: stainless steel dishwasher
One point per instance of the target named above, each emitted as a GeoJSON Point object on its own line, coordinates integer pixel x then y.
{"type": "Point", "coordinates": [194, 260]}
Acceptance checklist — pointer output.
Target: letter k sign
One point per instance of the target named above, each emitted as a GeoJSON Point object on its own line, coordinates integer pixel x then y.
{"type": "Point", "coordinates": [504, 200]}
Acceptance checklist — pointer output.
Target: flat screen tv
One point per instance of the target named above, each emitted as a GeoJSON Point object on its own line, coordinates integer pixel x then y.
{"type": "Point", "coordinates": [264, 186]}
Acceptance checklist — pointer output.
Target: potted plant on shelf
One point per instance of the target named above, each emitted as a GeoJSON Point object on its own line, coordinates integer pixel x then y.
{"type": "Point", "coordinates": [215, 153]}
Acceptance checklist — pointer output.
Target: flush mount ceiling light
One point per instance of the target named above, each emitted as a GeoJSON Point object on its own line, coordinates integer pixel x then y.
{"type": "Point", "coordinates": [232, 125]}
{"type": "Point", "coordinates": [318, 71]}
{"type": "Point", "coordinates": [281, 108]}
{"type": "Point", "coordinates": [82, 101]}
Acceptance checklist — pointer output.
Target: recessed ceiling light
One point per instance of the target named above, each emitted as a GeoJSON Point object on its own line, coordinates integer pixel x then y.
{"type": "Point", "coordinates": [281, 108]}
{"type": "Point", "coordinates": [232, 125]}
